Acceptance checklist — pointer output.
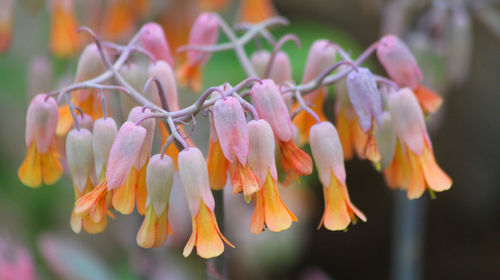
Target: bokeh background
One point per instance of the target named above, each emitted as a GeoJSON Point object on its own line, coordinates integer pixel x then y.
{"type": "Point", "coordinates": [456, 236]}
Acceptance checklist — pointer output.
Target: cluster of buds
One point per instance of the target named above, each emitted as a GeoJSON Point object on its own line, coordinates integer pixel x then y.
{"type": "Point", "coordinates": [113, 170]}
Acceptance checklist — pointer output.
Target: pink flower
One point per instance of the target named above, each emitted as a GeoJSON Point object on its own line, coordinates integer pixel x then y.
{"type": "Point", "coordinates": [153, 40]}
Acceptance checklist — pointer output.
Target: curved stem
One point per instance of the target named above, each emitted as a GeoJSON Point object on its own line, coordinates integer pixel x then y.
{"type": "Point", "coordinates": [277, 48]}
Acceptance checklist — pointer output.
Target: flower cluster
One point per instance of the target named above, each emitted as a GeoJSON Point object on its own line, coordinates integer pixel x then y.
{"type": "Point", "coordinates": [112, 168]}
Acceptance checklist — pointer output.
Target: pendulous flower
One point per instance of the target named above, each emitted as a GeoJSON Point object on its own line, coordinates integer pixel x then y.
{"type": "Point", "coordinates": [63, 28]}
{"type": "Point", "coordinates": [206, 235]}
{"type": "Point", "coordinates": [153, 40]}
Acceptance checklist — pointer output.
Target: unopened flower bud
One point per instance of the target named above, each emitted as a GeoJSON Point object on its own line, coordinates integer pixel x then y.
{"type": "Point", "coordinates": [90, 65]}
{"type": "Point", "coordinates": [159, 180]}
{"type": "Point", "coordinates": [365, 97]}
{"type": "Point", "coordinates": [272, 108]}
{"type": "Point", "coordinates": [80, 157]}
{"type": "Point", "coordinates": [261, 153]}
{"type": "Point", "coordinates": [105, 131]}
{"type": "Point", "coordinates": [194, 176]}
{"type": "Point", "coordinates": [164, 73]}
{"type": "Point", "coordinates": [137, 114]}
{"type": "Point", "coordinates": [86, 121]}
{"type": "Point", "coordinates": [124, 153]}
{"type": "Point", "coordinates": [281, 70]}
{"type": "Point", "coordinates": [399, 62]}
{"type": "Point", "coordinates": [385, 135]}
{"type": "Point", "coordinates": [203, 32]}
{"type": "Point", "coordinates": [327, 152]}
{"type": "Point", "coordinates": [259, 60]}
{"type": "Point", "coordinates": [135, 73]}
{"type": "Point", "coordinates": [231, 127]}
{"type": "Point", "coordinates": [408, 119]}
{"type": "Point", "coordinates": [321, 56]}
{"type": "Point", "coordinates": [41, 122]}
{"type": "Point", "coordinates": [153, 40]}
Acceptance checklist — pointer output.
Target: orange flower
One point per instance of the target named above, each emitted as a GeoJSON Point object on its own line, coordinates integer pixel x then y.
{"type": "Point", "coordinates": [327, 153]}
{"type": "Point", "coordinates": [42, 160]}
{"type": "Point", "coordinates": [6, 15]}
{"type": "Point", "coordinates": [217, 164]}
{"type": "Point", "coordinates": [413, 167]}
{"type": "Point", "coordinates": [63, 31]}
{"type": "Point", "coordinates": [254, 11]}
{"type": "Point", "coordinates": [119, 19]}
{"type": "Point", "coordinates": [212, 5]}
{"type": "Point", "coordinates": [206, 235]}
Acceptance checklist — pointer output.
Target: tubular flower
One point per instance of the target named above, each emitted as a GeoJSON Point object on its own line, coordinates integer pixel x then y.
{"type": "Point", "coordinates": [385, 134]}
{"type": "Point", "coordinates": [79, 156]}
{"type": "Point", "coordinates": [254, 11]}
{"type": "Point", "coordinates": [119, 19]}
{"type": "Point", "coordinates": [105, 131]}
{"type": "Point", "coordinates": [281, 70]}
{"type": "Point", "coordinates": [134, 190]}
{"type": "Point", "coordinates": [206, 235]}
{"type": "Point", "coordinates": [6, 15]}
{"type": "Point", "coordinates": [217, 164]}
{"type": "Point", "coordinates": [63, 28]}
{"type": "Point", "coordinates": [124, 153]}
{"type": "Point", "coordinates": [327, 153]}
{"type": "Point", "coordinates": [272, 108]}
{"type": "Point", "coordinates": [270, 211]}
{"type": "Point", "coordinates": [159, 179]}
{"type": "Point", "coordinates": [321, 56]}
{"type": "Point", "coordinates": [346, 122]}
{"type": "Point", "coordinates": [366, 101]}
{"type": "Point", "coordinates": [414, 155]}
{"type": "Point", "coordinates": [153, 40]}
{"type": "Point", "coordinates": [232, 131]}
{"type": "Point", "coordinates": [89, 66]}
{"type": "Point", "coordinates": [204, 32]}
{"type": "Point", "coordinates": [42, 160]}
{"type": "Point", "coordinates": [401, 66]}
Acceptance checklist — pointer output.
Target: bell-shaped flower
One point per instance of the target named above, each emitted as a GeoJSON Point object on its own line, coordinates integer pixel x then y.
{"type": "Point", "coordinates": [64, 39]}
{"type": "Point", "coordinates": [105, 131]}
{"type": "Point", "coordinates": [159, 180]}
{"type": "Point", "coordinates": [352, 136]}
{"type": "Point", "coordinates": [90, 65]}
{"type": "Point", "coordinates": [255, 11]}
{"type": "Point", "coordinates": [42, 160]}
{"type": "Point", "coordinates": [385, 135]}
{"type": "Point", "coordinates": [123, 155]}
{"type": "Point", "coordinates": [232, 131]}
{"type": "Point", "coordinates": [80, 158]}
{"type": "Point", "coordinates": [414, 156]}
{"type": "Point", "coordinates": [6, 19]}
{"type": "Point", "coordinates": [270, 211]}
{"type": "Point", "coordinates": [281, 70]}
{"type": "Point", "coordinates": [329, 159]}
{"type": "Point", "coordinates": [402, 67]}
{"type": "Point", "coordinates": [321, 56]}
{"type": "Point", "coordinates": [204, 32]}
{"type": "Point", "coordinates": [133, 190]}
{"type": "Point", "coordinates": [366, 101]}
{"type": "Point", "coordinates": [217, 164]}
{"type": "Point", "coordinates": [118, 20]}
{"type": "Point", "coordinates": [153, 40]}
{"type": "Point", "coordinates": [206, 235]}
{"type": "Point", "coordinates": [272, 108]}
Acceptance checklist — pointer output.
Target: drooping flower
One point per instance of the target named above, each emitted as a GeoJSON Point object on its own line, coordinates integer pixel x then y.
{"type": "Point", "coordinates": [217, 164]}
{"type": "Point", "coordinates": [272, 108]}
{"type": "Point", "coordinates": [6, 17]}
{"type": "Point", "coordinates": [204, 32]}
{"type": "Point", "coordinates": [80, 158]}
{"type": "Point", "coordinates": [350, 133]}
{"type": "Point", "coordinates": [42, 160]}
{"type": "Point", "coordinates": [124, 153]}
{"type": "Point", "coordinates": [402, 67]}
{"type": "Point", "coordinates": [119, 19]}
{"type": "Point", "coordinates": [270, 211]}
{"type": "Point", "coordinates": [63, 28]}
{"type": "Point", "coordinates": [385, 133]}
{"type": "Point", "coordinates": [321, 56]}
{"type": "Point", "coordinates": [366, 101]}
{"type": "Point", "coordinates": [232, 131]}
{"type": "Point", "coordinates": [281, 70]}
{"type": "Point", "coordinates": [134, 190]}
{"type": "Point", "coordinates": [153, 40]}
{"type": "Point", "coordinates": [206, 235]}
{"type": "Point", "coordinates": [255, 11]}
{"type": "Point", "coordinates": [104, 135]}
{"type": "Point", "coordinates": [329, 159]}
{"type": "Point", "coordinates": [89, 66]}
{"type": "Point", "coordinates": [159, 179]}
{"type": "Point", "coordinates": [413, 167]}
{"type": "Point", "coordinates": [136, 75]}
